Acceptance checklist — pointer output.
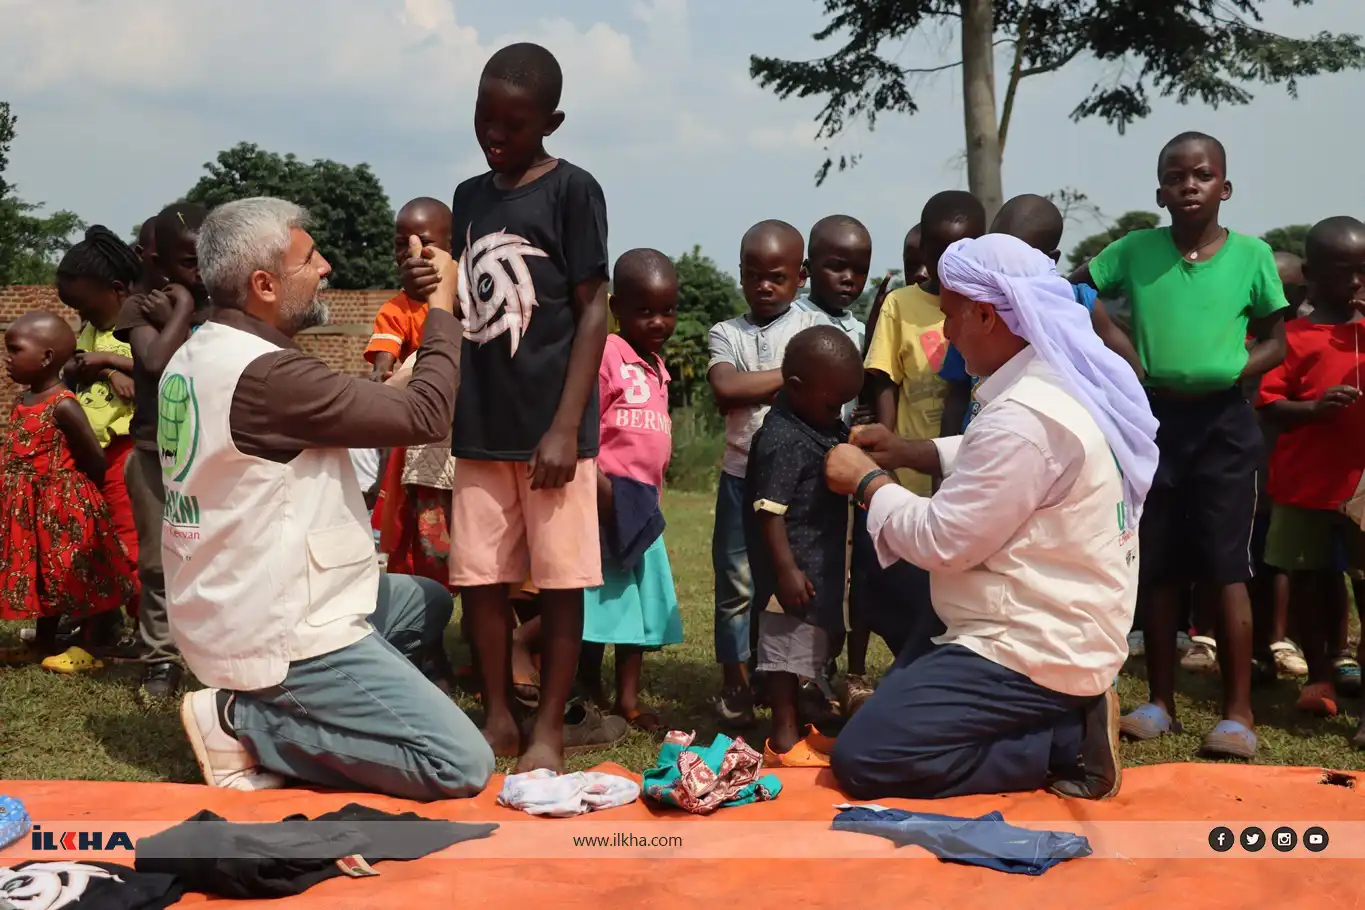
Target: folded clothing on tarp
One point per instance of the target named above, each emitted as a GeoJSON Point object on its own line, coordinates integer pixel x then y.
{"type": "Point", "coordinates": [277, 859]}
{"type": "Point", "coordinates": [987, 841]}
{"type": "Point", "coordinates": [543, 792]}
{"type": "Point", "coordinates": [85, 886]}
{"type": "Point", "coordinates": [702, 779]}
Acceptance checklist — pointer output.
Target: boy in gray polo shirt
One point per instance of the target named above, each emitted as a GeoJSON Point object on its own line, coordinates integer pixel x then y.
{"type": "Point", "coordinates": [745, 374]}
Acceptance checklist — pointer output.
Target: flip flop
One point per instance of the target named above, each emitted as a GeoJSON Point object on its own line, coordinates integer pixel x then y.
{"type": "Point", "coordinates": [646, 720]}
{"type": "Point", "coordinates": [1230, 740]}
{"type": "Point", "coordinates": [1148, 722]}
{"type": "Point", "coordinates": [527, 691]}
{"type": "Point", "coordinates": [73, 660]}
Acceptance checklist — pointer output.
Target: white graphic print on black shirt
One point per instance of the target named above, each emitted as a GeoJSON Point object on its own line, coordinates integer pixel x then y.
{"type": "Point", "coordinates": [85, 886]}
{"type": "Point", "coordinates": [496, 290]}
{"type": "Point", "coordinates": [521, 254]}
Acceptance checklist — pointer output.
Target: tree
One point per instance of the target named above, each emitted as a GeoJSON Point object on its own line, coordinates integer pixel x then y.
{"type": "Point", "coordinates": [1128, 222]}
{"type": "Point", "coordinates": [1201, 50]}
{"type": "Point", "coordinates": [706, 296]}
{"type": "Point", "coordinates": [29, 243]}
{"type": "Point", "coordinates": [1288, 239]}
{"type": "Point", "coordinates": [352, 219]}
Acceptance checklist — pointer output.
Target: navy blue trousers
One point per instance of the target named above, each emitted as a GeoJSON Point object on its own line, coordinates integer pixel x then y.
{"type": "Point", "coordinates": [894, 601]}
{"type": "Point", "coordinates": [946, 722]}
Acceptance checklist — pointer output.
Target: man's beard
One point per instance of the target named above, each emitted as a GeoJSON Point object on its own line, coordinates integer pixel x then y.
{"type": "Point", "coordinates": [309, 315]}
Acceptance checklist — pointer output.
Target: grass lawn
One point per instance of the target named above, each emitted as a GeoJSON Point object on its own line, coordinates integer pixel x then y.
{"type": "Point", "coordinates": [95, 728]}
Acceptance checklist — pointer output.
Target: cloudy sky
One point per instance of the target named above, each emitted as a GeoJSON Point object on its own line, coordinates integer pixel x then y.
{"type": "Point", "coordinates": [120, 103]}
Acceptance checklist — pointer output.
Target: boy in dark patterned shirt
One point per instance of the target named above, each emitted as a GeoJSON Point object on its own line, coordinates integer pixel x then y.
{"type": "Point", "coordinates": [797, 530]}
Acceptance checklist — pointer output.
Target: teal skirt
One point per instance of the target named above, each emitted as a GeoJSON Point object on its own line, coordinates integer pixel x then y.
{"type": "Point", "coordinates": [637, 608]}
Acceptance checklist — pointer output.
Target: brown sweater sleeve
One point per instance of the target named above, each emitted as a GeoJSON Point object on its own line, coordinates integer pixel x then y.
{"type": "Point", "coordinates": [287, 401]}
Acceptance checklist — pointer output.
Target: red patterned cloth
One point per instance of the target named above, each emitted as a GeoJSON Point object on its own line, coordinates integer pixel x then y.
{"type": "Point", "coordinates": [700, 788]}
{"type": "Point", "coordinates": [59, 549]}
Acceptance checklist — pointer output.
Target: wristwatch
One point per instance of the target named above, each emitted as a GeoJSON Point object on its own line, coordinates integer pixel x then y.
{"type": "Point", "coordinates": [860, 497]}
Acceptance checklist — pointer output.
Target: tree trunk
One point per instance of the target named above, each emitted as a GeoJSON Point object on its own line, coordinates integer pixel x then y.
{"type": "Point", "coordinates": [978, 104]}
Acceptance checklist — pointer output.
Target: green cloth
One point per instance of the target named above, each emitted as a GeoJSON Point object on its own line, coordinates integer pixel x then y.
{"type": "Point", "coordinates": [661, 783]}
{"type": "Point", "coordinates": [1190, 318]}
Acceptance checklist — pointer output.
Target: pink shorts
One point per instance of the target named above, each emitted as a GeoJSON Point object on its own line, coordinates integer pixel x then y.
{"type": "Point", "coordinates": [503, 532]}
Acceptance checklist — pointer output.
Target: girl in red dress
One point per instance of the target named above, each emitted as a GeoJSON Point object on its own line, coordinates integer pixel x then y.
{"type": "Point", "coordinates": [59, 551]}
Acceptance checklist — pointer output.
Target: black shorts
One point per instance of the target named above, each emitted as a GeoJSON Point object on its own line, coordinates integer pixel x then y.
{"type": "Point", "coordinates": [1200, 515]}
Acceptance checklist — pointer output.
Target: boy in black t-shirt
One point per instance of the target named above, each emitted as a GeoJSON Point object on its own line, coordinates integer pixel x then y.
{"type": "Point", "coordinates": [797, 530]}
{"type": "Point", "coordinates": [531, 240]}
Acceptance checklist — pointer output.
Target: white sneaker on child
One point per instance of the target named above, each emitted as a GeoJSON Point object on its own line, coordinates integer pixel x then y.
{"type": "Point", "coordinates": [223, 760]}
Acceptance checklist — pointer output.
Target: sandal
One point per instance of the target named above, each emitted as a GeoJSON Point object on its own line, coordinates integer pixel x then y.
{"type": "Point", "coordinates": [73, 660]}
{"type": "Point", "coordinates": [527, 691]}
{"type": "Point", "coordinates": [1148, 722]}
{"type": "Point", "coordinates": [646, 720]}
{"type": "Point", "coordinates": [805, 754]}
{"type": "Point", "coordinates": [1229, 740]}
{"type": "Point", "coordinates": [1289, 659]}
{"type": "Point", "coordinates": [1348, 674]}
{"type": "Point", "coordinates": [1202, 656]}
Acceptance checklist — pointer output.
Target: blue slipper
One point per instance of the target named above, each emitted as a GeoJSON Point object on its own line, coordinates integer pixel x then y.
{"type": "Point", "coordinates": [14, 820]}
{"type": "Point", "coordinates": [1147, 722]}
{"type": "Point", "coordinates": [1230, 740]}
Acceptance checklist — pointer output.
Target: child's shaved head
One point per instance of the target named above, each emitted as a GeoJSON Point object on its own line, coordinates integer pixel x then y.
{"type": "Point", "coordinates": [1333, 235]}
{"type": "Point", "coordinates": [1290, 268]}
{"type": "Point", "coordinates": [772, 235]}
{"type": "Point", "coordinates": [1034, 219]}
{"type": "Point", "coordinates": [642, 269]}
{"type": "Point", "coordinates": [948, 217]}
{"type": "Point", "coordinates": [838, 230]}
{"type": "Point", "coordinates": [48, 331]}
{"type": "Point", "coordinates": [1193, 137]}
{"type": "Point", "coordinates": [820, 353]}
{"type": "Point", "coordinates": [531, 67]}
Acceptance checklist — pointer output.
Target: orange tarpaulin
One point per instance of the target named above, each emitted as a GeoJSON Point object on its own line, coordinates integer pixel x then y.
{"type": "Point", "coordinates": [1151, 847]}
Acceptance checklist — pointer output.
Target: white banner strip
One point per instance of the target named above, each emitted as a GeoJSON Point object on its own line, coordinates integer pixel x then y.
{"type": "Point", "coordinates": [712, 838]}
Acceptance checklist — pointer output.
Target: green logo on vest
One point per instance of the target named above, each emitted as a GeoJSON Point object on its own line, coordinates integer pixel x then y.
{"type": "Point", "coordinates": [177, 426]}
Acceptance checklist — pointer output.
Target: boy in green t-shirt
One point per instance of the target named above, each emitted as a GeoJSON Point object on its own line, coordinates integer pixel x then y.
{"type": "Point", "coordinates": [1195, 290]}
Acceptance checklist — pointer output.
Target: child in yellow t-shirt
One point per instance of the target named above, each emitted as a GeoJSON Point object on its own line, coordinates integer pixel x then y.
{"type": "Point", "coordinates": [903, 360]}
{"type": "Point", "coordinates": [907, 345]}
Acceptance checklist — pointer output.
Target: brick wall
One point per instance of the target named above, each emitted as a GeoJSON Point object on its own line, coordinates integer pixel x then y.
{"type": "Point", "coordinates": [340, 345]}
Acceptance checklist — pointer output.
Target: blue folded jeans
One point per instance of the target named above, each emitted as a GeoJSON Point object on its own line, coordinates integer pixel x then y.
{"type": "Point", "coordinates": [986, 841]}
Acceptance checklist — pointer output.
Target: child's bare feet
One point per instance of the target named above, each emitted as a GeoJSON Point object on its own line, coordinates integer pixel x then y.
{"type": "Point", "coordinates": [503, 736]}
{"type": "Point", "coordinates": [540, 755]}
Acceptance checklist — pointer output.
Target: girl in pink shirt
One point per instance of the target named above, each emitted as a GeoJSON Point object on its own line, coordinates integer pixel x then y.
{"type": "Point", "coordinates": [636, 608]}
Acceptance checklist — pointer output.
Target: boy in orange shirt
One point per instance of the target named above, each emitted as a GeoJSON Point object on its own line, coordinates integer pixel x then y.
{"type": "Point", "coordinates": [413, 510]}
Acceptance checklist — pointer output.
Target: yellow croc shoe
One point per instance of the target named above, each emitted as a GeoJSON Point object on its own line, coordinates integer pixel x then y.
{"type": "Point", "coordinates": [801, 755]}
{"type": "Point", "coordinates": [73, 660]}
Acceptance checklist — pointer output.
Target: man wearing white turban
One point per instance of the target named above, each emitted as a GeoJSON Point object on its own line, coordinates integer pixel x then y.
{"type": "Point", "coordinates": [1031, 544]}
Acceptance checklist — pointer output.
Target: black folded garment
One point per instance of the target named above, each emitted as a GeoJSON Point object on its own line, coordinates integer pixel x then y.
{"type": "Point", "coordinates": [276, 859]}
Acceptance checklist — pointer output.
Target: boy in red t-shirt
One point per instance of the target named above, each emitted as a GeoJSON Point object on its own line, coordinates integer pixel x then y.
{"type": "Point", "coordinates": [1314, 396]}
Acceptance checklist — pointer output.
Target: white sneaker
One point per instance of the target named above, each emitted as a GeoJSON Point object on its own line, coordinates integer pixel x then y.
{"type": "Point", "coordinates": [223, 761]}
{"type": "Point", "coordinates": [1289, 659]}
{"type": "Point", "coordinates": [1202, 657]}
{"type": "Point", "coordinates": [1137, 644]}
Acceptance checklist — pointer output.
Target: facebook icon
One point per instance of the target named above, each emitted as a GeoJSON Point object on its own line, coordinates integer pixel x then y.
{"type": "Point", "coordinates": [1220, 840]}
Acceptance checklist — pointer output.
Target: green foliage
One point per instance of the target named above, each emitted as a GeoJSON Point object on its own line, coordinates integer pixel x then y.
{"type": "Point", "coordinates": [30, 243]}
{"type": "Point", "coordinates": [1090, 247]}
{"type": "Point", "coordinates": [352, 219]}
{"type": "Point", "coordinates": [1288, 239]}
{"type": "Point", "coordinates": [1189, 50]}
{"type": "Point", "coordinates": [706, 296]}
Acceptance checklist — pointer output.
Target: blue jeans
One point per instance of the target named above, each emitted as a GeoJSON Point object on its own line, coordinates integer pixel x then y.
{"type": "Point", "coordinates": [734, 584]}
{"type": "Point", "coordinates": [364, 717]}
{"type": "Point", "coordinates": [948, 722]}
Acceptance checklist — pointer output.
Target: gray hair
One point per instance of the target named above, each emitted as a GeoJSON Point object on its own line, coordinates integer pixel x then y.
{"type": "Point", "coordinates": [242, 237]}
